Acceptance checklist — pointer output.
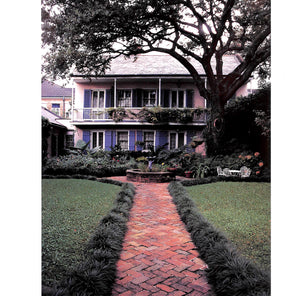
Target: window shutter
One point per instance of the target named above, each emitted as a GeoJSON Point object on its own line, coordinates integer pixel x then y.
{"type": "Point", "coordinates": [108, 142]}
{"type": "Point", "coordinates": [131, 140]}
{"type": "Point", "coordinates": [189, 136]}
{"type": "Point", "coordinates": [87, 98]}
{"type": "Point", "coordinates": [139, 137]}
{"type": "Point", "coordinates": [109, 98]}
{"type": "Point", "coordinates": [137, 97]}
{"type": "Point", "coordinates": [114, 138]}
{"type": "Point", "coordinates": [189, 98]}
{"type": "Point", "coordinates": [161, 138]}
{"type": "Point", "coordinates": [86, 136]}
{"type": "Point", "coordinates": [165, 93]}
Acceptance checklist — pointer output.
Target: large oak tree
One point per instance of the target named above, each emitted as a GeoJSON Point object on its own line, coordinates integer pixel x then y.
{"type": "Point", "coordinates": [88, 34]}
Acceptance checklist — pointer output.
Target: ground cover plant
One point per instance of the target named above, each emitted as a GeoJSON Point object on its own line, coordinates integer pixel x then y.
{"type": "Point", "coordinates": [71, 209]}
{"type": "Point", "coordinates": [242, 211]}
{"type": "Point", "coordinates": [229, 273]}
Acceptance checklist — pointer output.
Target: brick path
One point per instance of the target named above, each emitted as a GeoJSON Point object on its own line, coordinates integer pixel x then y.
{"type": "Point", "coordinates": [158, 256]}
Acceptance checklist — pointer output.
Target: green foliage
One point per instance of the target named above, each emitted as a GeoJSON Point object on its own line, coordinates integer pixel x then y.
{"type": "Point", "coordinates": [242, 211]}
{"type": "Point", "coordinates": [45, 136]}
{"type": "Point", "coordinates": [117, 114]}
{"type": "Point", "coordinates": [229, 273]}
{"type": "Point", "coordinates": [87, 165]}
{"type": "Point", "coordinates": [70, 211]}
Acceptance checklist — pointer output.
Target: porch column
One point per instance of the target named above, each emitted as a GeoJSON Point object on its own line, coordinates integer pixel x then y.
{"type": "Point", "coordinates": [159, 92]}
{"type": "Point", "coordinates": [115, 92]}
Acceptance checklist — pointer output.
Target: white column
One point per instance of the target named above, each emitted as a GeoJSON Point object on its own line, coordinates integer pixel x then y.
{"type": "Point", "coordinates": [115, 92]}
{"type": "Point", "coordinates": [159, 92]}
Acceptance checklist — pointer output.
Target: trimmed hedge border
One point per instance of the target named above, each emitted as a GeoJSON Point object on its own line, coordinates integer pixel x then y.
{"type": "Point", "coordinates": [228, 272]}
{"type": "Point", "coordinates": [97, 273]}
{"type": "Point", "coordinates": [213, 179]}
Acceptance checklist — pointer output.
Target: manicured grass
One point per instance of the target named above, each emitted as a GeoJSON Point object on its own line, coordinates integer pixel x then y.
{"type": "Point", "coordinates": [241, 211]}
{"type": "Point", "coordinates": [71, 210]}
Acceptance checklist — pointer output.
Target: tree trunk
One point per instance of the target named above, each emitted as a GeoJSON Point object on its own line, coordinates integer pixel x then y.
{"type": "Point", "coordinates": [215, 125]}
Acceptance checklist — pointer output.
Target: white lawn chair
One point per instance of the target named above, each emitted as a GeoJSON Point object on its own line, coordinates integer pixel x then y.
{"type": "Point", "coordinates": [245, 172]}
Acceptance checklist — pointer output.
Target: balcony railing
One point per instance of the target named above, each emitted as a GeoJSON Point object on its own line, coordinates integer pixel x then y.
{"type": "Point", "coordinates": [151, 115]}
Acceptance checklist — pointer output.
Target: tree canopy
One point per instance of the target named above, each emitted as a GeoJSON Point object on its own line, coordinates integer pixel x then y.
{"type": "Point", "coordinates": [88, 34]}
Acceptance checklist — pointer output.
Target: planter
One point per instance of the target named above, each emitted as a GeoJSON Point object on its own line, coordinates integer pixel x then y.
{"type": "Point", "coordinates": [172, 170]}
{"type": "Point", "coordinates": [188, 174]}
{"type": "Point", "coordinates": [149, 177]}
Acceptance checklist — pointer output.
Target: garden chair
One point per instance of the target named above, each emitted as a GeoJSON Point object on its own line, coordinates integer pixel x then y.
{"type": "Point", "coordinates": [245, 172]}
{"type": "Point", "coordinates": [219, 171]}
{"type": "Point", "coordinates": [227, 172]}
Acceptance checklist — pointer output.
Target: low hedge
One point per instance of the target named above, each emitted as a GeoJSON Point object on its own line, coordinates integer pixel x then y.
{"type": "Point", "coordinates": [212, 179]}
{"type": "Point", "coordinates": [228, 272]}
{"type": "Point", "coordinates": [97, 273]}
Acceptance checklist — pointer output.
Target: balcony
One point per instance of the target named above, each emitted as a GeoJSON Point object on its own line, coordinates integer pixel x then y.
{"type": "Point", "coordinates": [153, 115]}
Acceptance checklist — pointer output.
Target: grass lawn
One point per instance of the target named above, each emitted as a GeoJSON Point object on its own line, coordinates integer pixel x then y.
{"type": "Point", "coordinates": [71, 210]}
{"type": "Point", "coordinates": [242, 212]}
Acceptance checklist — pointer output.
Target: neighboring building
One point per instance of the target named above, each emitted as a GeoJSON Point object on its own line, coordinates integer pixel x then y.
{"type": "Point", "coordinates": [57, 99]}
{"type": "Point", "coordinates": [61, 134]}
{"type": "Point", "coordinates": [133, 84]}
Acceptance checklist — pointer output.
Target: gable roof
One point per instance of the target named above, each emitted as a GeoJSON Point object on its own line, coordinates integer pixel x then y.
{"type": "Point", "coordinates": [52, 117]}
{"type": "Point", "coordinates": [160, 65]}
{"type": "Point", "coordinates": [50, 89]}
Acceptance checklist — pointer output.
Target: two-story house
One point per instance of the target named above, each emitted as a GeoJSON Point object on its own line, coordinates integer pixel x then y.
{"type": "Point", "coordinates": [154, 101]}
{"type": "Point", "coordinates": [57, 99]}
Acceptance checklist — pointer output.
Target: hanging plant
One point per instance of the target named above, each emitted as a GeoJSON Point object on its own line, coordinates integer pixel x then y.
{"type": "Point", "coordinates": [117, 114]}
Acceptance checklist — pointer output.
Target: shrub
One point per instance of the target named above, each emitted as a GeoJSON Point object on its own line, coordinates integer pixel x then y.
{"type": "Point", "coordinates": [96, 274]}
{"type": "Point", "coordinates": [229, 273]}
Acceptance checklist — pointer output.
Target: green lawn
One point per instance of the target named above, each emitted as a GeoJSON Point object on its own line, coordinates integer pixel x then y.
{"type": "Point", "coordinates": [241, 211]}
{"type": "Point", "coordinates": [71, 210]}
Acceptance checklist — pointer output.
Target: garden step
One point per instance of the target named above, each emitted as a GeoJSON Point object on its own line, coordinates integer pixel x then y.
{"type": "Point", "coordinates": [158, 256]}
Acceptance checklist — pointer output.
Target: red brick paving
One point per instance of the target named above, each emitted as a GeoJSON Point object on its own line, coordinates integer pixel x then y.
{"type": "Point", "coordinates": [158, 256]}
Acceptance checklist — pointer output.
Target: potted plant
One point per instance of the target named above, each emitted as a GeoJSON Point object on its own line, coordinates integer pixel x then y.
{"type": "Point", "coordinates": [188, 174]}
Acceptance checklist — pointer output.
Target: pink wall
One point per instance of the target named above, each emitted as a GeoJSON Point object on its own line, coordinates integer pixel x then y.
{"type": "Point", "coordinates": [80, 87]}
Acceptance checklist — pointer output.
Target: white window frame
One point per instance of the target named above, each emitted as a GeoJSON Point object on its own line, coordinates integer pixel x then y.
{"type": "Point", "coordinates": [55, 110]}
{"type": "Point", "coordinates": [117, 139]}
{"type": "Point", "coordinates": [148, 98]}
{"type": "Point", "coordinates": [176, 138]}
{"type": "Point", "coordinates": [97, 140]}
{"type": "Point", "coordinates": [154, 137]}
{"type": "Point", "coordinates": [92, 98]}
{"type": "Point", "coordinates": [118, 98]}
{"type": "Point", "coordinates": [177, 97]}
{"type": "Point", "coordinates": [96, 111]}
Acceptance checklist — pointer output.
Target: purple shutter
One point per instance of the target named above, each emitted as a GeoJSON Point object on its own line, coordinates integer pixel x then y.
{"type": "Point", "coordinates": [189, 98]}
{"type": "Point", "coordinates": [161, 138]}
{"type": "Point", "coordinates": [189, 136]}
{"type": "Point", "coordinates": [86, 136]}
{"type": "Point", "coordinates": [109, 98]}
{"type": "Point", "coordinates": [87, 103]}
{"type": "Point", "coordinates": [131, 140]}
{"type": "Point", "coordinates": [139, 137]}
{"type": "Point", "coordinates": [108, 142]}
{"type": "Point", "coordinates": [165, 93]}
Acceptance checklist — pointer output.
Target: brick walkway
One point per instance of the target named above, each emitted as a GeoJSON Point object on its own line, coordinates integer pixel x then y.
{"type": "Point", "coordinates": [158, 257]}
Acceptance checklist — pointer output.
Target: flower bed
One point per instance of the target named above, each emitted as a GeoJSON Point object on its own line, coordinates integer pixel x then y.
{"type": "Point", "coordinates": [149, 177]}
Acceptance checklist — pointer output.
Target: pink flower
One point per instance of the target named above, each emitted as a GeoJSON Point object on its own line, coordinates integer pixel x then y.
{"type": "Point", "coordinates": [257, 172]}
{"type": "Point", "coordinates": [260, 164]}
{"type": "Point", "coordinates": [256, 154]}
{"type": "Point", "coordinates": [248, 157]}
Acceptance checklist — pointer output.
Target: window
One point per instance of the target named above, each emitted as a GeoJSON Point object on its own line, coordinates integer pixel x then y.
{"type": "Point", "coordinates": [148, 140]}
{"type": "Point", "coordinates": [97, 139]}
{"type": "Point", "coordinates": [69, 141]}
{"type": "Point", "coordinates": [124, 98]}
{"type": "Point", "coordinates": [98, 99]}
{"type": "Point", "coordinates": [122, 140]}
{"type": "Point", "coordinates": [55, 108]}
{"type": "Point", "coordinates": [149, 98]}
{"type": "Point", "coordinates": [96, 103]}
{"type": "Point", "coordinates": [177, 98]}
{"type": "Point", "coordinates": [176, 140]}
